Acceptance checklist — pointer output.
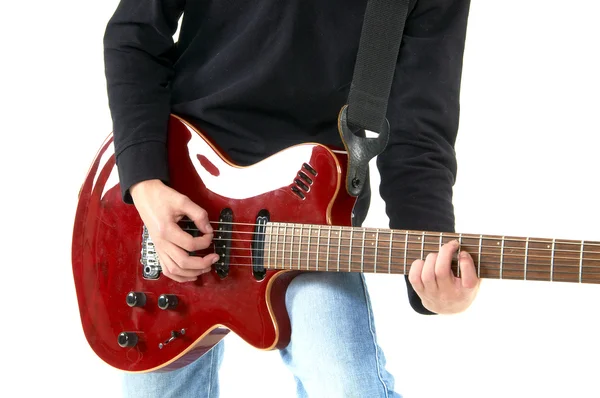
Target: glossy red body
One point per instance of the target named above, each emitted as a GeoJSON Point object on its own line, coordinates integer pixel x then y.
{"type": "Point", "coordinates": [107, 239]}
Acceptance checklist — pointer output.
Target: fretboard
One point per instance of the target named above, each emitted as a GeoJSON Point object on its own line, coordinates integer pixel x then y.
{"type": "Point", "coordinates": [307, 247]}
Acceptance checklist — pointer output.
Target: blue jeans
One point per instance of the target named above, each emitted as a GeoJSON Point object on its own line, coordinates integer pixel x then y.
{"type": "Point", "coordinates": [333, 351]}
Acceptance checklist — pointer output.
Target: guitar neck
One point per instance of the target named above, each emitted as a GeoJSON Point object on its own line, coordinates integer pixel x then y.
{"type": "Point", "coordinates": [352, 249]}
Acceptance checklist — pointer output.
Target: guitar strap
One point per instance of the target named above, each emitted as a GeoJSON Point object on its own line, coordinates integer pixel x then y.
{"type": "Point", "coordinates": [370, 88]}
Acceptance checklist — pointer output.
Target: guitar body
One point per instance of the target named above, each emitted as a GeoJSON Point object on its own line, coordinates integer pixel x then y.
{"type": "Point", "coordinates": [107, 247]}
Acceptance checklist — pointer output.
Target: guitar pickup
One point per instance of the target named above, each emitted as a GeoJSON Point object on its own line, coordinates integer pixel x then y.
{"type": "Point", "coordinates": [223, 242]}
{"type": "Point", "coordinates": [258, 245]}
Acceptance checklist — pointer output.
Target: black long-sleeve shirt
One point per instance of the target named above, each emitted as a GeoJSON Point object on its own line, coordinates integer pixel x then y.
{"type": "Point", "coordinates": [260, 76]}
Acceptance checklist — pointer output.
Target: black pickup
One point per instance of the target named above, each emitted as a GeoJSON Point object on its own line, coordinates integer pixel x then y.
{"type": "Point", "coordinates": [258, 245]}
{"type": "Point", "coordinates": [223, 242]}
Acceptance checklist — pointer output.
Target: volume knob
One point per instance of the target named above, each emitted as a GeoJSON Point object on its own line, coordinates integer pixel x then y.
{"type": "Point", "coordinates": [167, 301]}
{"type": "Point", "coordinates": [127, 339]}
{"type": "Point", "coordinates": [136, 299]}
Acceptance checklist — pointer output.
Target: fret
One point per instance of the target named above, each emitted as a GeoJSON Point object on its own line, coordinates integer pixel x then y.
{"type": "Point", "coordinates": [459, 249]}
{"type": "Point", "coordinates": [526, 253]}
{"type": "Point", "coordinates": [291, 243]}
{"type": "Point", "coordinates": [283, 245]}
{"type": "Point", "coordinates": [429, 243]}
{"type": "Point", "coordinates": [566, 261]}
{"type": "Point", "coordinates": [376, 245]}
{"type": "Point", "coordinates": [350, 251]}
{"type": "Point", "coordinates": [581, 261]}
{"type": "Point", "coordinates": [328, 249]}
{"type": "Point", "coordinates": [268, 236]}
{"type": "Point", "coordinates": [479, 259]}
{"type": "Point", "coordinates": [405, 251]}
{"type": "Point", "coordinates": [441, 241]}
{"type": "Point", "coordinates": [300, 244]}
{"type": "Point", "coordinates": [552, 260]}
{"type": "Point", "coordinates": [290, 250]}
{"type": "Point", "coordinates": [318, 246]}
{"type": "Point", "coordinates": [502, 257]}
{"type": "Point", "coordinates": [469, 243]}
{"type": "Point", "coordinates": [276, 243]}
{"type": "Point", "coordinates": [362, 260]}
{"type": "Point", "coordinates": [390, 254]}
{"type": "Point", "coordinates": [308, 249]}
{"type": "Point", "coordinates": [490, 256]}
{"type": "Point", "coordinates": [297, 239]}
{"type": "Point", "coordinates": [513, 251]}
{"type": "Point", "coordinates": [539, 259]}
{"type": "Point", "coordinates": [292, 236]}
{"type": "Point", "coordinates": [339, 248]}
{"type": "Point", "coordinates": [285, 226]}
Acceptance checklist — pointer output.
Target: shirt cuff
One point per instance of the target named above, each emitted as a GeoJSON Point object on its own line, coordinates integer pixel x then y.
{"type": "Point", "coordinates": [141, 162]}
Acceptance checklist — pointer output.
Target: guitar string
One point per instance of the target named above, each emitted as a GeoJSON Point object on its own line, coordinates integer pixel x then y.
{"type": "Point", "coordinates": [385, 248]}
{"type": "Point", "coordinates": [531, 268]}
{"type": "Point", "coordinates": [506, 265]}
{"type": "Point", "coordinates": [402, 242]}
{"type": "Point", "coordinates": [401, 265]}
{"type": "Point", "coordinates": [453, 235]}
{"type": "Point", "coordinates": [555, 272]}
{"type": "Point", "coordinates": [370, 243]}
{"type": "Point", "coordinates": [506, 272]}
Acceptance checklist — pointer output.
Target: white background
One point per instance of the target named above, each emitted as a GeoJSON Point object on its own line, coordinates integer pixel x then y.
{"type": "Point", "coordinates": [527, 152]}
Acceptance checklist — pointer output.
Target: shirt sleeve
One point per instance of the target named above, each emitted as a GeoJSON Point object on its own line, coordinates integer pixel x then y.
{"type": "Point", "coordinates": [138, 59]}
{"type": "Point", "coordinates": [418, 167]}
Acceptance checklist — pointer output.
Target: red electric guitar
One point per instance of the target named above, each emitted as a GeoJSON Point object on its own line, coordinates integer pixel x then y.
{"type": "Point", "coordinates": [287, 214]}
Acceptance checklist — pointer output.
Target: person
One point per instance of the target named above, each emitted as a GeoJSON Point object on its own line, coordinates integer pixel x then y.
{"type": "Point", "coordinates": [260, 76]}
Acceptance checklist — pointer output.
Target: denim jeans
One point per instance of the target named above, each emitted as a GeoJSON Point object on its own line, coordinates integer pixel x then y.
{"type": "Point", "coordinates": [333, 352]}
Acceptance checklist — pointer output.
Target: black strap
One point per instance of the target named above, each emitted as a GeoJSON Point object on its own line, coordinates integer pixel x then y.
{"type": "Point", "coordinates": [370, 88]}
{"type": "Point", "coordinates": [376, 62]}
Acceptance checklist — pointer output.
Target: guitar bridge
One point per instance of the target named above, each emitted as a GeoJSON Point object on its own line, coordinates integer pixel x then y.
{"type": "Point", "coordinates": [150, 262]}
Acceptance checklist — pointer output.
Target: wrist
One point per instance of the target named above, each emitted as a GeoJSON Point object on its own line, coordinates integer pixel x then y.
{"type": "Point", "coordinates": [141, 187]}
